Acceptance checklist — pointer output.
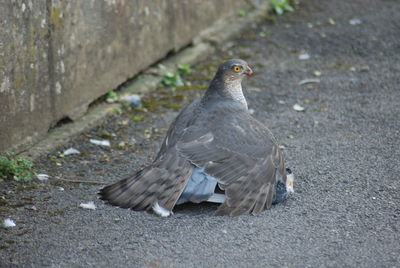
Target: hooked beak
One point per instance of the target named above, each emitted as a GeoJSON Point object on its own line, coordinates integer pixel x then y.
{"type": "Point", "coordinates": [249, 71]}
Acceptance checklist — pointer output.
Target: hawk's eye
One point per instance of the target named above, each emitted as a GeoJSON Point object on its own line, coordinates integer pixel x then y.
{"type": "Point", "coordinates": [237, 69]}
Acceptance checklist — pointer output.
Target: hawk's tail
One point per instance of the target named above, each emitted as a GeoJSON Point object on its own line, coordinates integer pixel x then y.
{"type": "Point", "coordinates": [155, 187]}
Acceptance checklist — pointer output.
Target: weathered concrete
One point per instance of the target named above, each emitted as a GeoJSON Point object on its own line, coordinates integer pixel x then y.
{"type": "Point", "coordinates": [57, 57]}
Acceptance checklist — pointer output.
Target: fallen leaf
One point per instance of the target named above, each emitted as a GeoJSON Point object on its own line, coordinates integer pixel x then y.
{"type": "Point", "coordinates": [121, 145]}
{"type": "Point", "coordinates": [105, 159]}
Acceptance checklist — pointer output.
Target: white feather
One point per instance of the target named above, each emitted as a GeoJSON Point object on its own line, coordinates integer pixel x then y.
{"type": "Point", "coordinates": [88, 205]}
{"type": "Point", "coordinates": [289, 183]}
{"type": "Point", "coordinates": [8, 223]}
{"type": "Point", "coordinates": [161, 211]}
{"type": "Point", "coordinates": [101, 142]}
{"type": "Point", "coordinates": [42, 177]}
{"type": "Point", "coordinates": [71, 151]}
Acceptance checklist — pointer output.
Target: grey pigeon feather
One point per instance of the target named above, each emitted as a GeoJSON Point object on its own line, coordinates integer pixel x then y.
{"type": "Point", "coordinates": [213, 141]}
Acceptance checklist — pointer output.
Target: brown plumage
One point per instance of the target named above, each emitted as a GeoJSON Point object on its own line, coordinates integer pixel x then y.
{"type": "Point", "coordinates": [218, 134]}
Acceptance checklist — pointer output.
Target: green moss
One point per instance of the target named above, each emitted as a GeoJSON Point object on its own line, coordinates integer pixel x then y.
{"type": "Point", "coordinates": [137, 118]}
{"type": "Point", "coordinates": [55, 19]}
{"type": "Point", "coordinates": [13, 168]}
{"type": "Point", "coordinates": [192, 87]}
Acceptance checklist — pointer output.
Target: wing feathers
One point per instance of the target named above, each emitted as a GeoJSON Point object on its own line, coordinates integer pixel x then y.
{"type": "Point", "coordinates": [161, 182]}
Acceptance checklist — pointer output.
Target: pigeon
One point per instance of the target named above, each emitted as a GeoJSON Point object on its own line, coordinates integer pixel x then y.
{"type": "Point", "coordinates": [214, 151]}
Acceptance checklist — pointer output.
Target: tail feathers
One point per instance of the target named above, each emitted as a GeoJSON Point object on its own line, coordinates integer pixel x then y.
{"type": "Point", "coordinates": [152, 186]}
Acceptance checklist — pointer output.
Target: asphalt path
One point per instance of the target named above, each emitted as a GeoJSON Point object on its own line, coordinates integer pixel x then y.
{"type": "Point", "coordinates": [344, 149]}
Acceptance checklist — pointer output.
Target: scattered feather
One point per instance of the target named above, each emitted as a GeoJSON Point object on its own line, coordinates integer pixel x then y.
{"type": "Point", "coordinates": [304, 56]}
{"type": "Point", "coordinates": [161, 211]}
{"type": "Point", "coordinates": [133, 100]}
{"type": "Point", "coordinates": [298, 107]}
{"type": "Point", "coordinates": [355, 21]}
{"type": "Point", "coordinates": [7, 223]}
{"type": "Point", "coordinates": [332, 21]}
{"type": "Point", "coordinates": [60, 188]}
{"type": "Point", "coordinates": [289, 183]}
{"type": "Point", "coordinates": [101, 142]}
{"type": "Point", "coordinates": [71, 151]}
{"type": "Point", "coordinates": [42, 177]}
{"type": "Point", "coordinates": [34, 208]}
{"type": "Point", "coordinates": [88, 205]}
{"type": "Point", "coordinates": [317, 73]}
{"type": "Point", "coordinates": [251, 111]}
{"type": "Point", "coordinates": [262, 34]}
{"type": "Point", "coordinates": [309, 81]}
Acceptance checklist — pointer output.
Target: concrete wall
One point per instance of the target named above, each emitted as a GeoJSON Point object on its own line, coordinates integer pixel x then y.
{"type": "Point", "coordinates": [56, 57]}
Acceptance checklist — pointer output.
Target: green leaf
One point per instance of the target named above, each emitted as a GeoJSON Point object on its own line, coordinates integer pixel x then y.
{"type": "Point", "coordinates": [242, 12]}
{"type": "Point", "coordinates": [172, 79]}
{"type": "Point", "coordinates": [184, 69]}
{"type": "Point", "coordinates": [278, 10]}
{"type": "Point", "coordinates": [289, 8]}
{"type": "Point", "coordinates": [280, 6]}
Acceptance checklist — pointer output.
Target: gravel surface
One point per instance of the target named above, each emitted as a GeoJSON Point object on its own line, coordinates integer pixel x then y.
{"type": "Point", "coordinates": [344, 149]}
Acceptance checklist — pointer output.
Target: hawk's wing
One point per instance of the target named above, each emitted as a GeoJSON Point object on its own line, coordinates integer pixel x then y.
{"type": "Point", "coordinates": [239, 151]}
{"type": "Point", "coordinates": [162, 182]}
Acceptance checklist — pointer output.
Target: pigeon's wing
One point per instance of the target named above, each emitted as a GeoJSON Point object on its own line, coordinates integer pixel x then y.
{"type": "Point", "coordinates": [240, 152]}
{"type": "Point", "coordinates": [162, 183]}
